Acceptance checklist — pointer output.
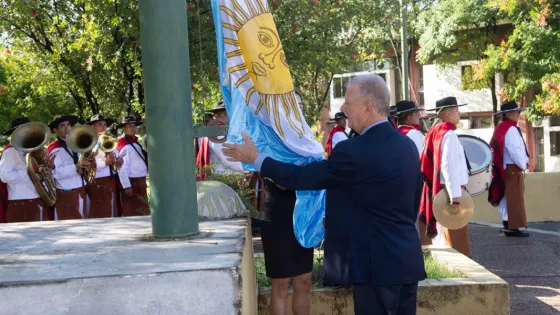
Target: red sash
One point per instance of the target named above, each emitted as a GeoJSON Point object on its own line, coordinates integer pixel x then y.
{"type": "Point", "coordinates": [430, 165]}
{"type": "Point", "coordinates": [404, 129]}
{"type": "Point", "coordinates": [497, 187]}
{"type": "Point", "coordinates": [53, 145]}
{"type": "Point", "coordinates": [328, 146]}
{"type": "Point", "coordinates": [123, 141]}
{"type": "Point", "coordinates": [3, 195]}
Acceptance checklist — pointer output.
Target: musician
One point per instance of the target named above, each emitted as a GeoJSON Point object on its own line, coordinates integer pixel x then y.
{"type": "Point", "coordinates": [70, 186]}
{"type": "Point", "coordinates": [133, 171]}
{"type": "Point", "coordinates": [393, 116]}
{"type": "Point", "coordinates": [444, 166]}
{"type": "Point", "coordinates": [338, 133]}
{"type": "Point", "coordinates": [408, 115]}
{"type": "Point", "coordinates": [510, 160]}
{"type": "Point", "coordinates": [212, 152]}
{"type": "Point", "coordinates": [22, 201]}
{"type": "Point", "coordinates": [102, 193]}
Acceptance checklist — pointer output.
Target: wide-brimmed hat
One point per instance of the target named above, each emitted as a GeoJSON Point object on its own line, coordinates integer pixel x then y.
{"type": "Point", "coordinates": [404, 107]}
{"type": "Point", "coordinates": [62, 118]}
{"type": "Point", "coordinates": [393, 111]}
{"type": "Point", "coordinates": [510, 106]}
{"type": "Point", "coordinates": [16, 123]}
{"type": "Point", "coordinates": [218, 107]}
{"type": "Point", "coordinates": [98, 117]}
{"type": "Point", "coordinates": [340, 115]}
{"type": "Point", "coordinates": [129, 120]}
{"type": "Point", "coordinates": [446, 103]}
{"type": "Point", "coordinates": [450, 218]}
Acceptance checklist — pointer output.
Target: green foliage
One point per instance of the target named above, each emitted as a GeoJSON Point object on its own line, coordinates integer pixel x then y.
{"type": "Point", "coordinates": [470, 82]}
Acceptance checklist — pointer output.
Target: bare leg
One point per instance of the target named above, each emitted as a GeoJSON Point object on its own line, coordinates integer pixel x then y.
{"type": "Point", "coordinates": [300, 299]}
{"type": "Point", "coordinates": [279, 299]}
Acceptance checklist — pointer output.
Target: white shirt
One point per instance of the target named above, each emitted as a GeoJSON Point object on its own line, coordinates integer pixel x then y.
{"type": "Point", "coordinates": [103, 170]}
{"type": "Point", "coordinates": [337, 137]}
{"type": "Point", "coordinates": [133, 164]}
{"type": "Point", "coordinates": [417, 137]}
{"type": "Point", "coordinates": [65, 172]}
{"type": "Point", "coordinates": [514, 149]}
{"type": "Point", "coordinates": [220, 162]}
{"type": "Point", "coordinates": [454, 171]}
{"type": "Point", "coordinates": [13, 172]}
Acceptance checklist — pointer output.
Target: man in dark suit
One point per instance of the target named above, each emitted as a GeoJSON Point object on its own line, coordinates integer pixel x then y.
{"type": "Point", "coordinates": [373, 187]}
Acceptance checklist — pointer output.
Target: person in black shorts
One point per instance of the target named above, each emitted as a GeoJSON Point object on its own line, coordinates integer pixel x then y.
{"type": "Point", "coordinates": [285, 259]}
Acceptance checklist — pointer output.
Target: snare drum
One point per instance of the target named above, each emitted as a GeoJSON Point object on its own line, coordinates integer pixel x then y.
{"type": "Point", "coordinates": [480, 158]}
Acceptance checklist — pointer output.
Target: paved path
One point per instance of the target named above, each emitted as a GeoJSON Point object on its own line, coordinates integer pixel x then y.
{"type": "Point", "coordinates": [530, 265]}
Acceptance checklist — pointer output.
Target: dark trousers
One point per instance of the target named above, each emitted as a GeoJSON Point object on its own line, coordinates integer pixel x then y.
{"type": "Point", "coordinates": [385, 300]}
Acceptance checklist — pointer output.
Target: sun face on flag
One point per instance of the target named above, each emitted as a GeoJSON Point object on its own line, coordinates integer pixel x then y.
{"type": "Point", "coordinates": [257, 65]}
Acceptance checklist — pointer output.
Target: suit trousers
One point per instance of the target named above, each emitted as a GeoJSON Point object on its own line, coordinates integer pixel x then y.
{"type": "Point", "coordinates": [385, 300]}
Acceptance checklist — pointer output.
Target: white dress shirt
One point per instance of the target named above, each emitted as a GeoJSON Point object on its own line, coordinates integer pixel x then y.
{"type": "Point", "coordinates": [454, 171]}
{"type": "Point", "coordinates": [13, 172]}
{"type": "Point", "coordinates": [103, 170]}
{"type": "Point", "coordinates": [514, 153]}
{"type": "Point", "coordinates": [417, 137]}
{"type": "Point", "coordinates": [337, 137]}
{"type": "Point", "coordinates": [220, 162]}
{"type": "Point", "coordinates": [133, 164]}
{"type": "Point", "coordinates": [65, 172]}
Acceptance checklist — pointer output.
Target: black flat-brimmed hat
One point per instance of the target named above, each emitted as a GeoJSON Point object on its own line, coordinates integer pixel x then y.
{"type": "Point", "coordinates": [446, 103]}
{"type": "Point", "coordinates": [129, 120]}
{"type": "Point", "coordinates": [340, 115]}
{"type": "Point", "coordinates": [16, 123]}
{"type": "Point", "coordinates": [405, 106]}
{"type": "Point", "coordinates": [95, 118]}
{"type": "Point", "coordinates": [62, 118]}
{"type": "Point", "coordinates": [393, 111]}
{"type": "Point", "coordinates": [509, 107]}
{"type": "Point", "coordinates": [218, 107]}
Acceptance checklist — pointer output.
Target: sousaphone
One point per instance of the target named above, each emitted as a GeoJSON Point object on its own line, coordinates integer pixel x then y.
{"type": "Point", "coordinates": [453, 218]}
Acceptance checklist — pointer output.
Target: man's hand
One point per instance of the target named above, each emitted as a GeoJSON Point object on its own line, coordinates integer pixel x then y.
{"type": "Point", "coordinates": [110, 158]}
{"type": "Point", "coordinates": [129, 192]}
{"type": "Point", "coordinates": [246, 153]}
{"type": "Point", "coordinates": [120, 162]}
{"type": "Point", "coordinates": [86, 162]}
{"type": "Point", "coordinates": [455, 205]}
{"type": "Point", "coordinates": [50, 161]}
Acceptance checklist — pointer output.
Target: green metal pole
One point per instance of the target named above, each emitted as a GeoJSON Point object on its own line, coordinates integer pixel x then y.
{"type": "Point", "coordinates": [404, 51]}
{"type": "Point", "coordinates": [167, 88]}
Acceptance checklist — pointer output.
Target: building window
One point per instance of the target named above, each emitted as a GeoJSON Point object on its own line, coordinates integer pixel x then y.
{"type": "Point", "coordinates": [340, 86]}
{"type": "Point", "coordinates": [421, 84]}
{"type": "Point", "coordinates": [468, 80]}
{"type": "Point", "coordinates": [555, 121]}
{"type": "Point", "coordinates": [479, 122]}
{"type": "Point", "coordinates": [554, 143]}
{"type": "Point", "coordinates": [539, 149]}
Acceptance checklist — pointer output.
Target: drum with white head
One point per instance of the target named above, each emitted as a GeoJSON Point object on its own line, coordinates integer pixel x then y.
{"type": "Point", "coordinates": [480, 158]}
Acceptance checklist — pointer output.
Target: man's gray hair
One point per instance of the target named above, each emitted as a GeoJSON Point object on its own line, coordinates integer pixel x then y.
{"type": "Point", "coordinates": [374, 89]}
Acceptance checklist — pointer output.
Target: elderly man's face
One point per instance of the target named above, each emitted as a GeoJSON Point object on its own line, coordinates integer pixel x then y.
{"type": "Point", "coordinates": [355, 107]}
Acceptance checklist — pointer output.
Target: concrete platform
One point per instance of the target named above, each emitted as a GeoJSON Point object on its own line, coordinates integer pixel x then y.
{"type": "Point", "coordinates": [114, 266]}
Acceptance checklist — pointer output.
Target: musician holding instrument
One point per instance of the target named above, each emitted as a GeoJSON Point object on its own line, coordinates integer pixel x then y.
{"type": "Point", "coordinates": [134, 169]}
{"type": "Point", "coordinates": [71, 189]}
{"type": "Point", "coordinates": [510, 161]}
{"type": "Point", "coordinates": [24, 203]}
{"type": "Point", "coordinates": [444, 167]}
{"type": "Point", "coordinates": [102, 193]}
{"type": "Point", "coordinates": [408, 115]}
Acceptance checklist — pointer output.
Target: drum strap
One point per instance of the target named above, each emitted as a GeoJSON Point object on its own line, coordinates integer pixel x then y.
{"type": "Point", "coordinates": [468, 163]}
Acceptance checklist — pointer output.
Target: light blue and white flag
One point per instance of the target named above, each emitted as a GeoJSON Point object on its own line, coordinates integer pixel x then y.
{"type": "Point", "coordinates": [258, 93]}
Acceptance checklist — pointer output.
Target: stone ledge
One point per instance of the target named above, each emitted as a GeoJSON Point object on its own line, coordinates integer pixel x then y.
{"type": "Point", "coordinates": [480, 292]}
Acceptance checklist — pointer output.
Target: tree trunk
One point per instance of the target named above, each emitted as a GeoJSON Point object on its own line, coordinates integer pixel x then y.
{"type": "Point", "coordinates": [492, 82]}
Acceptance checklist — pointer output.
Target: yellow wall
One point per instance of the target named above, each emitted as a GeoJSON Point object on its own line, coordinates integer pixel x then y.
{"type": "Point", "coordinates": [542, 200]}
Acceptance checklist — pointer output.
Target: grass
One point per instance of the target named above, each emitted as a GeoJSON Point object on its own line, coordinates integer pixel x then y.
{"type": "Point", "coordinates": [434, 270]}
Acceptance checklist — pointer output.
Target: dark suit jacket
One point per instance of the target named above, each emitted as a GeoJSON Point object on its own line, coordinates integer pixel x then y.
{"type": "Point", "coordinates": [373, 187]}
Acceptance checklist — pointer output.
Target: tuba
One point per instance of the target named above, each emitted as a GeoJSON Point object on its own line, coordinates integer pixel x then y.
{"type": "Point", "coordinates": [83, 139]}
{"type": "Point", "coordinates": [31, 138]}
{"type": "Point", "coordinates": [108, 145]}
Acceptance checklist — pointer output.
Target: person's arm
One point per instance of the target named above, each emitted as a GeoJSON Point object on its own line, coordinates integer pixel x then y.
{"type": "Point", "coordinates": [450, 148]}
{"type": "Point", "coordinates": [62, 171]}
{"type": "Point", "coordinates": [417, 137]}
{"type": "Point", "coordinates": [124, 170]}
{"type": "Point", "coordinates": [338, 171]}
{"type": "Point", "coordinates": [514, 145]}
{"type": "Point", "coordinates": [9, 173]}
{"type": "Point", "coordinates": [337, 137]}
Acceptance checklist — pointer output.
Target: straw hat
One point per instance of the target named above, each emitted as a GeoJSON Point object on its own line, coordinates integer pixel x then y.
{"type": "Point", "coordinates": [450, 218]}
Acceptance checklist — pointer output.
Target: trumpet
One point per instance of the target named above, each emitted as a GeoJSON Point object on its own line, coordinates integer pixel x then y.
{"type": "Point", "coordinates": [83, 139]}
{"type": "Point", "coordinates": [31, 138]}
{"type": "Point", "coordinates": [108, 145]}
